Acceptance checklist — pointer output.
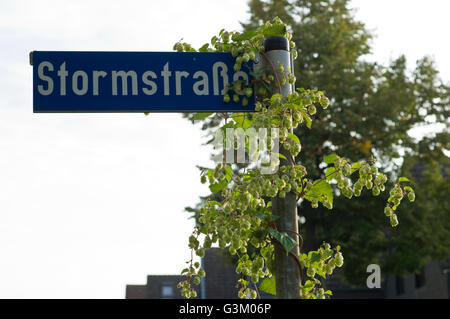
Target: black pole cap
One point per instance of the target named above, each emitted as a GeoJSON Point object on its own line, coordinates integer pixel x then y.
{"type": "Point", "coordinates": [276, 43]}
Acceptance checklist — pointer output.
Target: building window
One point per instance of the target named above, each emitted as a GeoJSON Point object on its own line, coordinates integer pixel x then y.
{"type": "Point", "coordinates": [399, 285]}
{"type": "Point", "coordinates": [167, 291]}
{"type": "Point", "coordinates": [420, 278]}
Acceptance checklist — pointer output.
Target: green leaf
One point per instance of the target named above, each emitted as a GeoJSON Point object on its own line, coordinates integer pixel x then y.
{"type": "Point", "coordinates": [213, 202]}
{"type": "Point", "coordinates": [217, 187]}
{"type": "Point", "coordinates": [185, 271]}
{"type": "Point", "coordinates": [314, 257]}
{"type": "Point", "coordinates": [201, 116]}
{"type": "Point", "coordinates": [243, 282]}
{"type": "Point", "coordinates": [356, 166]}
{"type": "Point", "coordinates": [403, 179]}
{"type": "Point", "coordinates": [280, 155]}
{"type": "Point", "coordinates": [268, 285]}
{"type": "Point", "coordinates": [308, 285]}
{"type": "Point", "coordinates": [320, 187]}
{"type": "Point", "coordinates": [408, 189]}
{"type": "Point", "coordinates": [321, 273]}
{"type": "Point", "coordinates": [329, 173]}
{"type": "Point", "coordinates": [247, 35]}
{"type": "Point", "coordinates": [329, 159]}
{"type": "Point", "coordinates": [284, 239]}
{"type": "Point", "coordinates": [228, 125]}
{"type": "Point", "coordinates": [204, 48]}
{"type": "Point", "coordinates": [293, 137]}
{"type": "Point", "coordinates": [307, 119]}
{"type": "Point", "coordinates": [242, 120]}
{"type": "Point", "coordinates": [228, 173]}
{"type": "Point", "coordinates": [275, 30]}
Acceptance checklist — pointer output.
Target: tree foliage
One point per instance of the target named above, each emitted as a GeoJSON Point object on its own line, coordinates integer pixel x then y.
{"type": "Point", "coordinates": [374, 109]}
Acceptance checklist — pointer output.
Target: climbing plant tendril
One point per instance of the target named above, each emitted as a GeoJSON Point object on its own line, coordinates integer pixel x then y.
{"type": "Point", "coordinates": [244, 217]}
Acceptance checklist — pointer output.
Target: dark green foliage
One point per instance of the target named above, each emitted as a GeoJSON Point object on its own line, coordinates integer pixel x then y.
{"type": "Point", "coordinates": [371, 111]}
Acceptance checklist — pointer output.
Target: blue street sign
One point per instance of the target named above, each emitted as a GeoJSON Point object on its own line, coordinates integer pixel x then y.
{"type": "Point", "coordinates": [134, 82]}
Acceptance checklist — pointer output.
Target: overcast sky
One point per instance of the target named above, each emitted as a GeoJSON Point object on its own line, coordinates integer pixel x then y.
{"type": "Point", "coordinates": [92, 202]}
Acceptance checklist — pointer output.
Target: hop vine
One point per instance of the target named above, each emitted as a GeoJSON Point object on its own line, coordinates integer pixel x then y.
{"type": "Point", "coordinates": [242, 221]}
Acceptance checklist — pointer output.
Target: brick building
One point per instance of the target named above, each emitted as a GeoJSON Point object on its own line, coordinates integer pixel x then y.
{"type": "Point", "coordinates": [433, 282]}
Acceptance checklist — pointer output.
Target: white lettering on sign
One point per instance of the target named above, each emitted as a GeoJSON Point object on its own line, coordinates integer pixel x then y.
{"type": "Point", "coordinates": [202, 83]}
{"type": "Point", "coordinates": [84, 82]}
{"type": "Point", "coordinates": [124, 75]}
{"type": "Point", "coordinates": [146, 81]}
{"type": "Point", "coordinates": [95, 77]}
{"type": "Point", "coordinates": [62, 73]}
{"type": "Point", "coordinates": [178, 76]}
{"type": "Point", "coordinates": [166, 75]}
{"type": "Point", "coordinates": [224, 75]}
{"type": "Point", "coordinates": [127, 82]}
{"type": "Point", "coordinates": [49, 90]}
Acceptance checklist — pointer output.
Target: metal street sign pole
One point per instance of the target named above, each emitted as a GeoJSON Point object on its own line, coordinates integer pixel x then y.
{"type": "Point", "coordinates": [287, 273]}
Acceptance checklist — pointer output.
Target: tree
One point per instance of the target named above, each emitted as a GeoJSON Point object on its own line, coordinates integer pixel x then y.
{"type": "Point", "coordinates": [374, 108]}
{"type": "Point", "coordinates": [427, 222]}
